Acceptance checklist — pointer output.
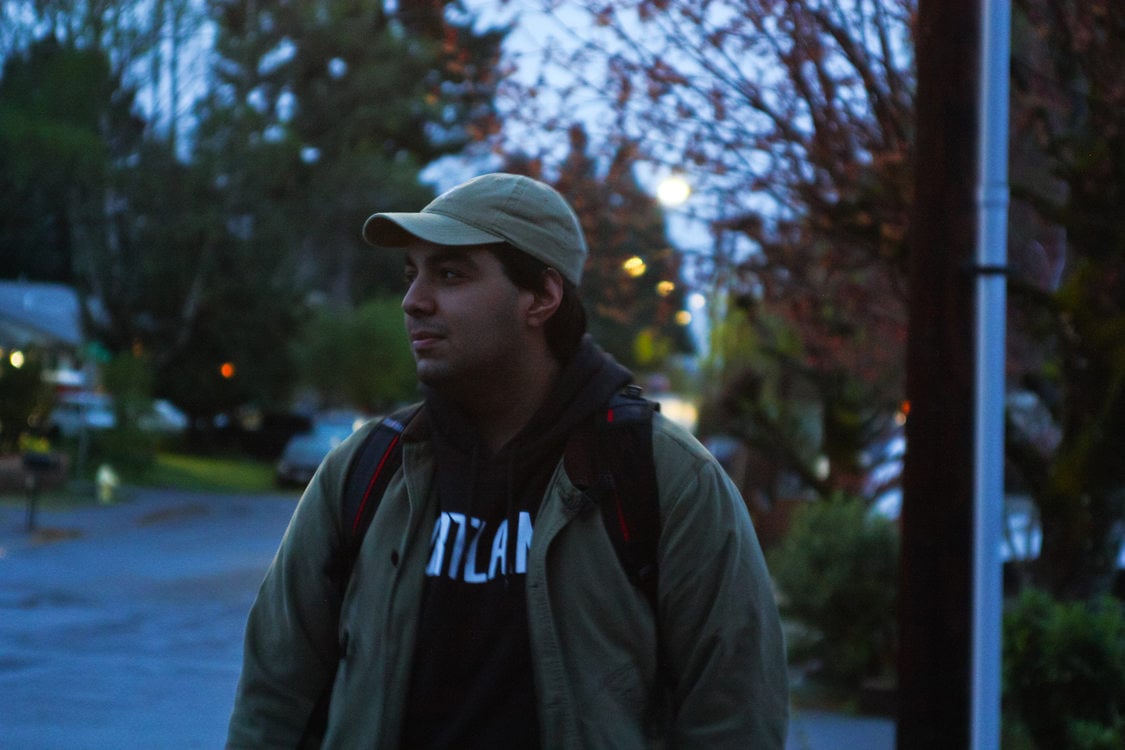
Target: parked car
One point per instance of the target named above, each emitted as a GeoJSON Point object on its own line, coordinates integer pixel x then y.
{"type": "Point", "coordinates": [81, 411]}
{"type": "Point", "coordinates": [304, 451]}
{"type": "Point", "coordinates": [91, 411]}
{"type": "Point", "coordinates": [163, 417]}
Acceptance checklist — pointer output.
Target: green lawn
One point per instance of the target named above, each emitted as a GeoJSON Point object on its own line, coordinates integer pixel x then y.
{"type": "Point", "coordinates": [171, 470]}
{"type": "Point", "coordinates": [209, 474]}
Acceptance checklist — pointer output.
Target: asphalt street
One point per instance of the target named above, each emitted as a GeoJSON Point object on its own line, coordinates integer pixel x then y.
{"type": "Point", "coordinates": [121, 625]}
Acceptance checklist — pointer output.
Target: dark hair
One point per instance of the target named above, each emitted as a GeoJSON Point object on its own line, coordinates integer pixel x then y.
{"type": "Point", "coordinates": [568, 324]}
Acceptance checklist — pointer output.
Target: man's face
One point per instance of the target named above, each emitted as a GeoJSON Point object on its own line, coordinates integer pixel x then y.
{"type": "Point", "coordinates": [464, 316]}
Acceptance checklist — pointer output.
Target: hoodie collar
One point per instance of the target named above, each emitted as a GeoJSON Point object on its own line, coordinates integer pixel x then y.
{"type": "Point", "coordinates": [585, 383]}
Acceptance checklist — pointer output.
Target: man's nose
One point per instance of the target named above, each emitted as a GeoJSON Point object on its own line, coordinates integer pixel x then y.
{"type": "Point", "coordinates": [417, 301]}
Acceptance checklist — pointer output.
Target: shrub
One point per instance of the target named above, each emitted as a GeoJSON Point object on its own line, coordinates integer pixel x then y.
{"type": "Point", "coordinates": [127, 447]}
{"type": "Point", "coordinates": [23, 396]}
{"type": "Point", "coordinates": [836, 570]}
{"type": "Point", "coordinates": [1064, 672]}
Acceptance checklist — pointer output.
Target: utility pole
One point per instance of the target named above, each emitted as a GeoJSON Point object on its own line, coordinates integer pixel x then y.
{"type": "Point", "coordinates": [936, 575]}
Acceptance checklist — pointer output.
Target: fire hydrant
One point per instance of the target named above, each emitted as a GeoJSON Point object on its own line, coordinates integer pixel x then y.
{"type": "Point", "coordinates": [107, 482]}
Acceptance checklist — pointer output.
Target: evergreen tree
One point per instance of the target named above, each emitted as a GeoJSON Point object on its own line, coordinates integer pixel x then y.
{"type": "Point", "coordinates": [336, 107]}
{"type": "Point", "coordinates": [319, 113]}
{"type": "Point", "coordinates": [67, 132]}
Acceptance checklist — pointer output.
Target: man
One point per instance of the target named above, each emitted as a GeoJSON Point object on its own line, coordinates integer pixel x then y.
{"type": "Point", "coordinates": [487, 606]}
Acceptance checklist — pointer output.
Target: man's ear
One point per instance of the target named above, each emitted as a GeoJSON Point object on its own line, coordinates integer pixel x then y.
{"type": "Point", "coordinates": [546, 302]}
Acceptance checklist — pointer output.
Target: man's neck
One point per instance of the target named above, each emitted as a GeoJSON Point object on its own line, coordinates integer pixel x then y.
{"type": "Point", "coordinates": [500, 408]}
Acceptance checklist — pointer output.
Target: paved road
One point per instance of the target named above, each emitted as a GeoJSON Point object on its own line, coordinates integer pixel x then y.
{"type": "Point", "coordinates": [121, 626]}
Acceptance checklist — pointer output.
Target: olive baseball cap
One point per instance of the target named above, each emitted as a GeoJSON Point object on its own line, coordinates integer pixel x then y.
{"type": "Point", "coordinates": [498, 207]}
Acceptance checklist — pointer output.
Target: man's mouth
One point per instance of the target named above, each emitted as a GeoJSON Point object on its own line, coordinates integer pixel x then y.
{"type": "Point", "coordinates": [422, 339]}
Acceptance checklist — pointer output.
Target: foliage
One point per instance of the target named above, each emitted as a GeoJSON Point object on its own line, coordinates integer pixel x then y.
{"type": "Point", "coordinates": [358, 357]}
{"type": "Point", "coordinates": [1068, 289]}
{"type": "Point", "coordinates": [65, 121]}
{"type": "Point", "coordinates": [23, 396]}
{"type": "Point", "coordinates": [325, 110]}
{"type": "Point", "coordinates": [793, 120]}
{"type": "Point", "coordinates": [1064, 671]}
{"type": "Point", "coordinates": [201, 474]}
{"type": "Point", "coordinates": [207, 251]}
{"type": "Point", "coordinates": [126, 446]}
{"type": "Point", "coordinates": [631, 314]}
{"type": "Point", "coordinates": [129, 378]}
{"type": "Point", "coordinates": [836, 571]}
{"type": "Point", "coordinates": [320, 112]}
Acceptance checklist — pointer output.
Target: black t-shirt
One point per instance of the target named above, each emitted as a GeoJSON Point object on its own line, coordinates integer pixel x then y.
{"type": "Point", "coordinates": [472, 683]}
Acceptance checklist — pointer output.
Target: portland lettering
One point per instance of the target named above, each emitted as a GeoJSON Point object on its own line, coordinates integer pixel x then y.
{"type": "Point", "coordinates": [469, 549]}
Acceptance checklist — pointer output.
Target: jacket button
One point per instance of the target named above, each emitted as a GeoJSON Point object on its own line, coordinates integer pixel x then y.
{"type": "Point", "coordinates": [394, 558]}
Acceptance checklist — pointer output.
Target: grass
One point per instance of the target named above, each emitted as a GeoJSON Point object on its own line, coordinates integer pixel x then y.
{"type": "Point", "coordinates": [209, 474]}
{"type": "Point", "coordinates": [169, 470]}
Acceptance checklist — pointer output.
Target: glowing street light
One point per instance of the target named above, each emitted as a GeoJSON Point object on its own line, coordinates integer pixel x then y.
{"type": "Point", "coordinates": [673, 191]}
{"type": "Point", "coordinates": [635, 266]}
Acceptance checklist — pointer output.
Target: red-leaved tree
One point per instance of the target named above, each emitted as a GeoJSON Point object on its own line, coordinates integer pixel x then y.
{"type": "Point", "coordinates": [793, 122]}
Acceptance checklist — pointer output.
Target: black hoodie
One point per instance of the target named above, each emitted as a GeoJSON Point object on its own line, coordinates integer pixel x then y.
{"type": "Point", "coordinates": [472, 684]}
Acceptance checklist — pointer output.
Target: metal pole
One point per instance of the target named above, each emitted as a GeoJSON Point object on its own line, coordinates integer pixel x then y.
{"type": "Point", "coordinates": [988, 475]}
{"type": "Point", "coordinates": [32, 499]}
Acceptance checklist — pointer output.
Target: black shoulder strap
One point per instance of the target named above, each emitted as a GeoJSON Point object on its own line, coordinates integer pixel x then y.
{"type": "Point", "coordinates": [366, 480]}
{"type": "Point", "coordinates": [367, 477]}
{"type": "Point", "coordinates": [611, 458]}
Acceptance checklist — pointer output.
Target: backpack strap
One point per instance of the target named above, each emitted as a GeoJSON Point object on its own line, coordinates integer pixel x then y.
{"type": "Point", "coordinates": [366, 480]}
{"type": "Point", "coordinates": [610, 457]}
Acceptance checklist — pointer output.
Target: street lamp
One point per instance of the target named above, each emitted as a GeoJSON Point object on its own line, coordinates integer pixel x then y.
{"type": "Point", "coordinates": [635, 266]}
{"type": "Point", "coordinates": [673, 191]}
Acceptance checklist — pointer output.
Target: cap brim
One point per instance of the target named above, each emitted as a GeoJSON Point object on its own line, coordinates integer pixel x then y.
{"type": "Point", "coordinates": [398, 229]}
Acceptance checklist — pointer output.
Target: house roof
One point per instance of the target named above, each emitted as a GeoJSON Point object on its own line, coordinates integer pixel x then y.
{"type": "Point", "coordinates": [37, 313]}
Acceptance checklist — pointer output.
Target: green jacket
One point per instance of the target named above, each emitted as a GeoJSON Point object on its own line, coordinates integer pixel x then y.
{"type": "Point", "coordinates": [593, 633]}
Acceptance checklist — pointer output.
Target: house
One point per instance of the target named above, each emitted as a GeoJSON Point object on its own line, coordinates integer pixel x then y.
{"type": "Point", "coordinates": [48, 318]}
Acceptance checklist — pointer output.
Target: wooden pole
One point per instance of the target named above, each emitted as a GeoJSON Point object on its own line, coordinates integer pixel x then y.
{"type": "Point", "coordinates": [935, 585]}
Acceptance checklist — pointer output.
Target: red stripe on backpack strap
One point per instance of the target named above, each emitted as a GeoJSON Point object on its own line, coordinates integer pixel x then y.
{"type": "Point", "coordinates": [625, 533]}
{"type": "Point", "coordinates": [371, 484]}
{"type": "Point", "coordinates": [609, 415]}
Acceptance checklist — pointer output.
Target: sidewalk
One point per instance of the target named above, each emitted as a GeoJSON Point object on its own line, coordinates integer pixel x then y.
{"type": "Point", "coordinates": [121, 626]}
